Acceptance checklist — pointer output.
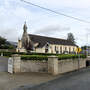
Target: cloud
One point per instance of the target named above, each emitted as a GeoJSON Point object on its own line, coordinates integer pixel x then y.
{"type": "Point", "coordinates": [63, 3]}
{"type": "Point", "coordinates": [52, 29]}
{"type": "Point", "coordinates": [13, 13]}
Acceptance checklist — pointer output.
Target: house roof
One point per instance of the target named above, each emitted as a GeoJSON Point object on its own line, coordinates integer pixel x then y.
{"type": "Point", "coordinates": [42, 40]}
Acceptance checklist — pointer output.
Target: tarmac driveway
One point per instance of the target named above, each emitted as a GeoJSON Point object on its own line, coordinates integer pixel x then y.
{"type": "Point", "coordinates": [3, 64]}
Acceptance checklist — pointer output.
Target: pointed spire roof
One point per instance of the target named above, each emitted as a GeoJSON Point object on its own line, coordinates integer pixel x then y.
{"type": "Point", "coordinates": [25, 27]}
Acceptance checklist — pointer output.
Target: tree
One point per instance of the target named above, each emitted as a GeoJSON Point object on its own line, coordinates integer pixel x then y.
{"type": "Point", "coordinates": [4, 44]}
{"type": "Point", "coordinates": [71, 38]}
{"type": "Point", "coordinates": [2, 41]}
{"type": "Point", "coordinates": [84, 47]}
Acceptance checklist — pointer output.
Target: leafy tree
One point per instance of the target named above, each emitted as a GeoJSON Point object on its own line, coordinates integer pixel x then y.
{"type": "Point", "coordinates": [2, 41]}
{"type": "Point", "coordinates": [71, 38]}
{"type": "Point", "coordinates": [85, 47]}
{"type": "Point", "coordinates": [4, 44]}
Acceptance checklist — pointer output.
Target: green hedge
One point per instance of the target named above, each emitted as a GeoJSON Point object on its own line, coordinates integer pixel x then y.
{"type": "Point", "coordinates": [70, 56]}
{"type": "Point", "coordinates": [8, 53]}
{"type": "Point", "coordinates": [42, 56]}
{"type": "Point", "coordinates": [21, 53]}
{"type": "Point", "coordinates": [34, 57]}
{"type": "Point", "coordinates": [45, 57]}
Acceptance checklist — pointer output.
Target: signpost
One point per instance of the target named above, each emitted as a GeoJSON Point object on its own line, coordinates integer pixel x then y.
{"type": "Point", "coordinates": [78, 50]}
{"type": "Point", "coordinates": [78, 53]}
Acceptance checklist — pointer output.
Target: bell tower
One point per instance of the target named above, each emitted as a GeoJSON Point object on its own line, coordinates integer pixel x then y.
{"type": "Point", "coordinates": [26, 41]}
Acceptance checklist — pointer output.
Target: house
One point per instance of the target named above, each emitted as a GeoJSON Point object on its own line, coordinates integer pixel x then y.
{"type": "Point", "coordinates": [43, 44]}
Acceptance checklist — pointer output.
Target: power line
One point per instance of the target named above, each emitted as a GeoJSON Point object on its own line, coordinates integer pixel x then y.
{"type": "Point", "coordinates": [59, 13]}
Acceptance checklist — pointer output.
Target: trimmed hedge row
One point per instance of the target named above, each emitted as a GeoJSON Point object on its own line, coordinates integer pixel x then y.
{"type": "Point", "coordinates": [9, 54]}
{"type": "Point", "coordinates": [21, 53]}
{"type": "Point", "coordinates": [72, 56]}
{"type": "Point", "coordinates": [45, 57]}
{"type": "Point", "coordinates": [34, 57]}
{"type": "Point", "coordinates": [42, 56]}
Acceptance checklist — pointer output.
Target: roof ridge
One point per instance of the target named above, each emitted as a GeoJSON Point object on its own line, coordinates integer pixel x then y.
{"type": "Point", "coordinates": [43, 39]}
{"type": "Point", "coordinates": [48, 37]}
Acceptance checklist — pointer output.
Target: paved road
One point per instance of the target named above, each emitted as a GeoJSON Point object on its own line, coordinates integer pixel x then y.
{"type": "Point", "coordinates": [3, 64]}
{"type": "Point", "coordinates": [10, 81]}
{"type": "Point", "coordinates": [71, 81]}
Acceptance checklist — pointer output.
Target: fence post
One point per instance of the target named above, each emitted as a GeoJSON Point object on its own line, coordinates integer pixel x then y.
{"type": "Point", "coordinates": [53, 65]}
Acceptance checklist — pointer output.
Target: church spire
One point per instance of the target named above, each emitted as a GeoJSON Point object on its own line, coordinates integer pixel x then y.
{"type": "Point", "coordinates": [25, 27]}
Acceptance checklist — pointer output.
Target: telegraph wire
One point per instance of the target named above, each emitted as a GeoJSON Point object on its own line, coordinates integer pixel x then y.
{"type": "Point", "coordinates": [59, 13]}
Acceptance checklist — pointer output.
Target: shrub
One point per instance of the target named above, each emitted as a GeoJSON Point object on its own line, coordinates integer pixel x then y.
{"type": "Point", "coordinates": [34, 57]}
{"type": "Point", "coordinates": [23, 53]}
{"type": "Point", "coordinates": [45, 57]}
{"type": "Point", "coordinates": [11, 53]}
{"type": "Point", "coordinates": [42, 56]}
{"type": "Point", "coordinates": [71, 56]}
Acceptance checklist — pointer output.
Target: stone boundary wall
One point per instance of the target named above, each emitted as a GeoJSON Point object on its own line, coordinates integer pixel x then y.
{"type": "Point", "coordinates": [52, 66]}
{"type": "Point", "coordinates": [70, 65]}
{"type": "Point", "coordinates": [7, 50]}
{"type": "Point", "coordinates": [34, 66]}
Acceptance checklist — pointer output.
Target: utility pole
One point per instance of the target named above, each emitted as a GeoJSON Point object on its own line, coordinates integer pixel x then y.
{"type": "Point", "coordinates": [78, 61]}
{"type": "Point", "coordinates": [87, 46]}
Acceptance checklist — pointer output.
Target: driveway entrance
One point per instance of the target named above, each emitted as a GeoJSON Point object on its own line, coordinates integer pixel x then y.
{"type": "Point", "coordinates": [3, 64]}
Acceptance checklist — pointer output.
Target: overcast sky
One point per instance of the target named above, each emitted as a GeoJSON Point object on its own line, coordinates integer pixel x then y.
{"type": "Point", "coordinates": [13, 14]}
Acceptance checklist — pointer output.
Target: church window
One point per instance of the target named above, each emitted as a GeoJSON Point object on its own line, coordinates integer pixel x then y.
{"type": "Point", "coordinates": [60, 49]}
{"type": "Point", "coordinates": [47, 48]}
{"type": "Point", "coordinates": [55, 48]}
{"type": "Point", "coordinates": [73, 49]}
{"type": "Point", "coordinates": [69, 49]}
{"type": "Point", "coordinates": [65, 48]}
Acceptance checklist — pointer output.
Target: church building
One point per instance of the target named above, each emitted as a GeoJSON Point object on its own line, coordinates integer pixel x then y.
{"type": "Point", "coordinates": [43, 44]}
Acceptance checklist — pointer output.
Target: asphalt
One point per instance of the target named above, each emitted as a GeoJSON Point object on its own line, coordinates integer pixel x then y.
{"type": "Point", "coordinates": [78, 80]}
{"type": "Point", "coordinates": [3, 64]}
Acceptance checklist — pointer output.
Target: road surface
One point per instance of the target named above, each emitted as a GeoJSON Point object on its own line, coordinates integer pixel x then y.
{"type": "Point", "coordinates": [79, 80]}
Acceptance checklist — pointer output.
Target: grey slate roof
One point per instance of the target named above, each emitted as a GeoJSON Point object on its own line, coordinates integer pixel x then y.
{"type": "Point", "coordinates": [42, 40]}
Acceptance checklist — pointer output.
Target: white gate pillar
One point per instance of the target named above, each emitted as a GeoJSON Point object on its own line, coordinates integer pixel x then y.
{"type": "Point", "coordinates": [14, 64]}
{"type": "Point", "coordinates": [53, 65]}
{"type": "Point", "coordinates": [10, 65]}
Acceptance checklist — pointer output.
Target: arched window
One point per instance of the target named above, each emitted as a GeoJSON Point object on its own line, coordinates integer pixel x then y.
{"type": "Point", "coordinates": [55, 48]}
{"type": "Point", "coordinates": [69, 49]}
{"type": "Point", "coordinates": [47, 47]}
{"type": "Point", "coordinates": [73, 49]}
{"type": "Point", "coordinates": [65, 48]}
{"type": "Point", "coordinates": [60, 49]}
